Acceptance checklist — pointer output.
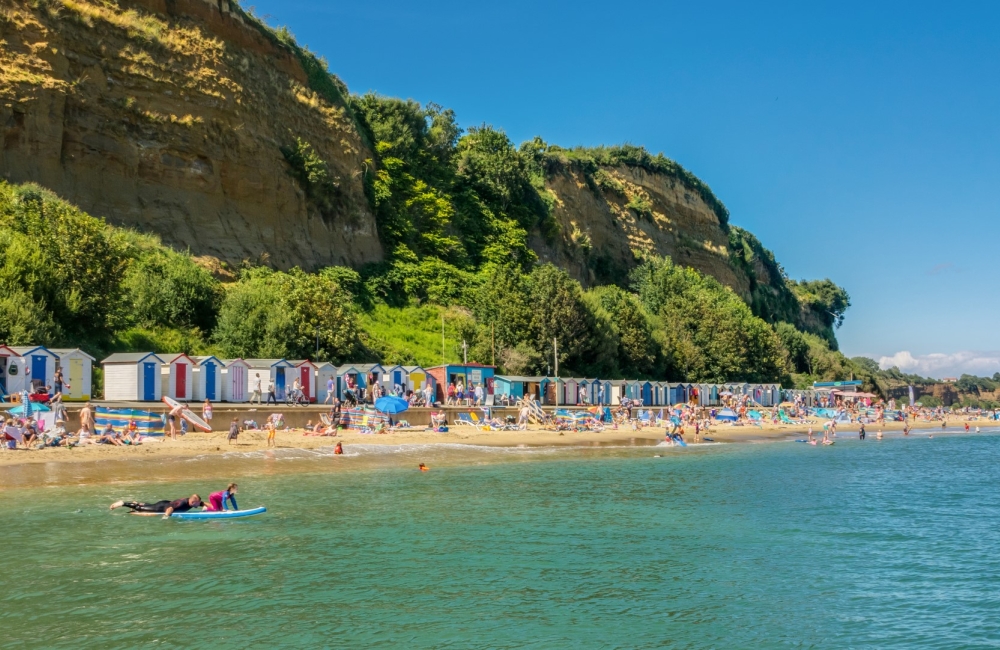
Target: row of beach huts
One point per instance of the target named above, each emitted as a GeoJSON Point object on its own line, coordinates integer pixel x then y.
{"type": "Point", "coordinates": [148, 376]}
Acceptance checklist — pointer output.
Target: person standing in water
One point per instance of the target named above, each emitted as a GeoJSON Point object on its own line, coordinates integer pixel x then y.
{"type": "Point", "coordinates": [339, 449]}
{"type": "Point", "coordinates": [861, 432]}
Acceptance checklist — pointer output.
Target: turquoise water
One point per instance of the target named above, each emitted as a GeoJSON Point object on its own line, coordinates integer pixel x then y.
{"type": "Point", "coordinates": [875, 544]}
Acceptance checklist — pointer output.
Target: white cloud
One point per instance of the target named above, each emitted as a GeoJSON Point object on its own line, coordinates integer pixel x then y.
{"type": "Point", "coordinates": [944, 365]}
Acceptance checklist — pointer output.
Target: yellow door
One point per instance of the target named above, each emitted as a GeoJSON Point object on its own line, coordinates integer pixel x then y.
{"type": "Point", "coordinates": [75, 379]}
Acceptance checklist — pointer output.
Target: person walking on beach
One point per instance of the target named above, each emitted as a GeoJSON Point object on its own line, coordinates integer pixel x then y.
{"type": "Point", "coordinates": [234, 431]}
{"type": "Point", "coordinates": [330, 387]}
{"type": "Point", "coordinates": [256, 395]}
{"type": "Point", "coordinates": [271, 397]}
{"type": "Point", "coordinates": [87, 416]}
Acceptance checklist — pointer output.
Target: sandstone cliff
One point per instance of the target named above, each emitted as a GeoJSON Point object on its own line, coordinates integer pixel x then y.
{"type": "Point", "coordinates": [609, 218]}
{"type": "Point", "coordinates": [170, 116]}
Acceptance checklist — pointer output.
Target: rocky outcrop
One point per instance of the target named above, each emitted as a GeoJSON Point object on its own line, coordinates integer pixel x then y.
{"type": "Point", "coordinates": [170, 116]}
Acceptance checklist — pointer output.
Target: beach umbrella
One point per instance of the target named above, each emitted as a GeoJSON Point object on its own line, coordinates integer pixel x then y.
{"type": "Point", "coordinates": [28, 408]}
{"type": "Point", "coordinates": [391, 404]}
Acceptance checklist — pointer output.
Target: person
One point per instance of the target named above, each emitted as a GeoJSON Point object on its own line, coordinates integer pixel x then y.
{"type": "Point", "coordinates": [167, 507]}
{"type": "Point", "coordinates": [217, 500]}
{"type": "Point", "coordinates": [811, 435]}
{"type": "Point", "coordinates": [84, 435]}
{"type": "Point", "coordinates": [270, 433]}
{"type": "Point", "coordinates": [234, 431]}
{"type": "Point", "coordinates": [206, 413]}
{"type": "Point", "coordinates": [271, 397]}
{"type": "Point", "coordinates": [330, 388]}
{"type": "Point", "coordinates": [861, 432]}
{"type": "Point", "coordinates": [87, 416]}
{"type": "Point", "coordinates": [58, 384]}
{"type": "Point", "coordinates": [878, 434]}
{"type": "Point", "coordinates": [423, 468]}
{"type": "Point", "coordinates": [256, 390]}
{"type": "Point", "coordinates": [172, 417]}
{"type": "Point", "coordinates": [522, 416]}
{"type": "Point", "coordinates": [906, 429]}
{"type": "Point", "coordinates": [339, 449]}
{"type": "Point", "coordinates": [966, 427]}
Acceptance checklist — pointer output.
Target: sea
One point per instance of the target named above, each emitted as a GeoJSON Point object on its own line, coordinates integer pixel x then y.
{"type": "Point", "coordinates": [864, 544]}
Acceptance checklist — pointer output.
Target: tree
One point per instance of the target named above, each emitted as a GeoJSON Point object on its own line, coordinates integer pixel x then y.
{"type": "Point", "coordinates": [638, 351]}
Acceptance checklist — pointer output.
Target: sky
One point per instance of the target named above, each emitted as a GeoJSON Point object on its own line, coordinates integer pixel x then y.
{"type": "Point", "coordinates": [858, 141]}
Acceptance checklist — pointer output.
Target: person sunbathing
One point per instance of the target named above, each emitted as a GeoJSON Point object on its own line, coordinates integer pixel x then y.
{"type": "Point", "coordinates": [166, 506]}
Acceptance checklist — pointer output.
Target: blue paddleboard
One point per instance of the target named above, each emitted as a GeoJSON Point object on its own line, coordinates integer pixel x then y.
{"type": "Point", "coordinates": [226, 514]}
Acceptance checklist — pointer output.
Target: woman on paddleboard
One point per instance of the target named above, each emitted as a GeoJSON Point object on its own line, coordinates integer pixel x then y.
{"type": "Point", "coordinates": [166, 507]}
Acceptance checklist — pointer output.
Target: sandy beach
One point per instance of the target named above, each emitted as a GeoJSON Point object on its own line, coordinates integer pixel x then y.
{"type": "Point", "coordinates": [198, 444]}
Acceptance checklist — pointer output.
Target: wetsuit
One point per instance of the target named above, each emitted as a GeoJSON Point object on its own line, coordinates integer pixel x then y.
{"type": "Point", "coordinates": [180, 505]}
{"type": "Point", "coordinates": [217, 501]}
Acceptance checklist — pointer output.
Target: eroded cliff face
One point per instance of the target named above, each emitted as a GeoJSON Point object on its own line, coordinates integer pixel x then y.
{"type": "Point", "coordinates": [610, 219]}
{"type": "Point", "coordinates": [170, 116]}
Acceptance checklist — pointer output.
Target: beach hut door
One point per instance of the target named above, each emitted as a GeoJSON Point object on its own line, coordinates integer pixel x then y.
{"type": "Point", "coordinates": [76, 377]}
{"type": "Point", "coordinates": [239, 382]}
{"type": "Point", "coordinates": [304, 373]}
{"type": "Point", "coordinates": [209, 370]}
{"type": "Point", "coordinates": [397, 379]}
{"type": "Point", "coordinates": [38, 368]}
{"type": "Point", "coordinates": [279, 383]}
{"type": "Point", "coordinates": [3, 374]}
{"type": "Point", "coordinates": [149, 382]}
{"type": "Point", "coordinates": [181, 374]}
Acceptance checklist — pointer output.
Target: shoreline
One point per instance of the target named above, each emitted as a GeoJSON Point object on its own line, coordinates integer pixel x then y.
{"type": "Point", "coordinates": [214, 444]}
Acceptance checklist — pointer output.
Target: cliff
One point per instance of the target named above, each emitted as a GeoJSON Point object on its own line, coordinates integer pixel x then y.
{"type": "Point", "coordinates": [175, 117]}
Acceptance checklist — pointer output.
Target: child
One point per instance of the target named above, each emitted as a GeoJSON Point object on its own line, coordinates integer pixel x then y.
{"type": "Point", "coordinates": [234, 430]}
{"type": "Point", "coordinates": [206, 413]}
{"type": "Point", "coordinates": [270, 433]}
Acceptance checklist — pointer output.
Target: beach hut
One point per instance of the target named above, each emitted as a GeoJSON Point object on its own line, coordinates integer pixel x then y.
{"type": "Point", "coordinates": [7, 360]}
{"type": "Point", "coordinates": [570, 391]}
{"type": "Point", "coordinates": [515, 387]}
{"type": "Point", "coordinates": [78, 370]}
{"type": "Point", "coordinates": [417, 378]}
{"type": "Point", "coordinates": [585, 392]}
{"type": "Point", "coordinates": [615, 391]}
{"type": "Point", "coordinates": [394, 380]}
{"type": "Point", "coordinates": [35, 366]}
{"type": "Point", "coordinates": [646, 393]}
{"type": "Point", "coordinates": [358, 378]}
{"type": "Point", "coordinates": [280, 371]}
{"type": "Point", "coordinates": [236, 387]}
{"type": "Point", "coordinates": [133, 377]}
{"type": "Point", "coordinates": [305, 372]}
{"type": "Point", "coordinates": [326, 382]}
{"type": "Point", "coordinates": [178, 377]}
{"type": "Point", "coordinates": [208, 378]}
{"type": "Point", "coordinates": [469, 374]}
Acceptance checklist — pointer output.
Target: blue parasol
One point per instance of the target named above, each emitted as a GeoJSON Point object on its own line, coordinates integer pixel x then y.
{"type": "Point", "coordinates": [391, 405]}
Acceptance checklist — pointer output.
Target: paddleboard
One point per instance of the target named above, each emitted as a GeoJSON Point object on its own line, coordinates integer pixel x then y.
{"type": "Point", "coordinates": [187, 414]}
{"type": "Point", "coordinates": [226, 514]}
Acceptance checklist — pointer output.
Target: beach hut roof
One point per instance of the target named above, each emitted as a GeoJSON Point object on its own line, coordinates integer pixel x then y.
{"type": "Point", "coordinates": [25, 351]}
{"type": "Point", "coordinates": [200, 360]}
{"type": "Point", "coordinates": [131, 357]}
{"type": "Point", "coordinates": [323, 365]}
{"type": "Point", "coordinates": [177, 357]}
{"type": "Point", "coordinates": [413, 368]}
{"type": "Point", "coordinates": [301, 362]}
{"type": "Point", "coordinates": [367, 367]}
{"type": "Point", "coordinates": [267, 363]}
{"type": "Point", "coordinates": [62, 352]}
{"type": "Point", "coordinates": [231, 362]}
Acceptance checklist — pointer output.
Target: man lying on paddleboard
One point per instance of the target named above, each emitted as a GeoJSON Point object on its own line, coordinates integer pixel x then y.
{"type": "Point", "coordinates": [166, 507]}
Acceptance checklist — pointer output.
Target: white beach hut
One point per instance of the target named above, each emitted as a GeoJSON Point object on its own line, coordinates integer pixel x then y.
{"type": "Point", "coordinates": [208, 378]}
{"type": "Point", "coordinates": [326, 381]}
{"type": "Point", "coordinates": [132, 377]}
{"type": "Point", "coordinates": [236, 381]}
{"type": "Point", "coordinates": [393, 378]}
{"type": "Point", "coordinates": [36, 366]}
{"type": "Point", "coordinates": [281, 372]}
{"type": "Point", "coordinates": [178, 377]}
{"type": "Point", "coordinates": [78, 370]}
{"type": "Point", "coordinates": [305, 372]}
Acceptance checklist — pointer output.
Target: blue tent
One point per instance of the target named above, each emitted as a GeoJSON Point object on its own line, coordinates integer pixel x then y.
{"type": "Point", "coordinates": [727, 415]}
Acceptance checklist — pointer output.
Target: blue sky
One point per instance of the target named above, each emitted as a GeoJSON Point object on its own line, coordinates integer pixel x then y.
{"type": "Point", "coordinates": [859, 141]}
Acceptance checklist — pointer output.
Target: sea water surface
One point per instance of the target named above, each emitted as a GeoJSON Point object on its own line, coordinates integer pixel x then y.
{"type": "Point", "coordinates": [875, 544]}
